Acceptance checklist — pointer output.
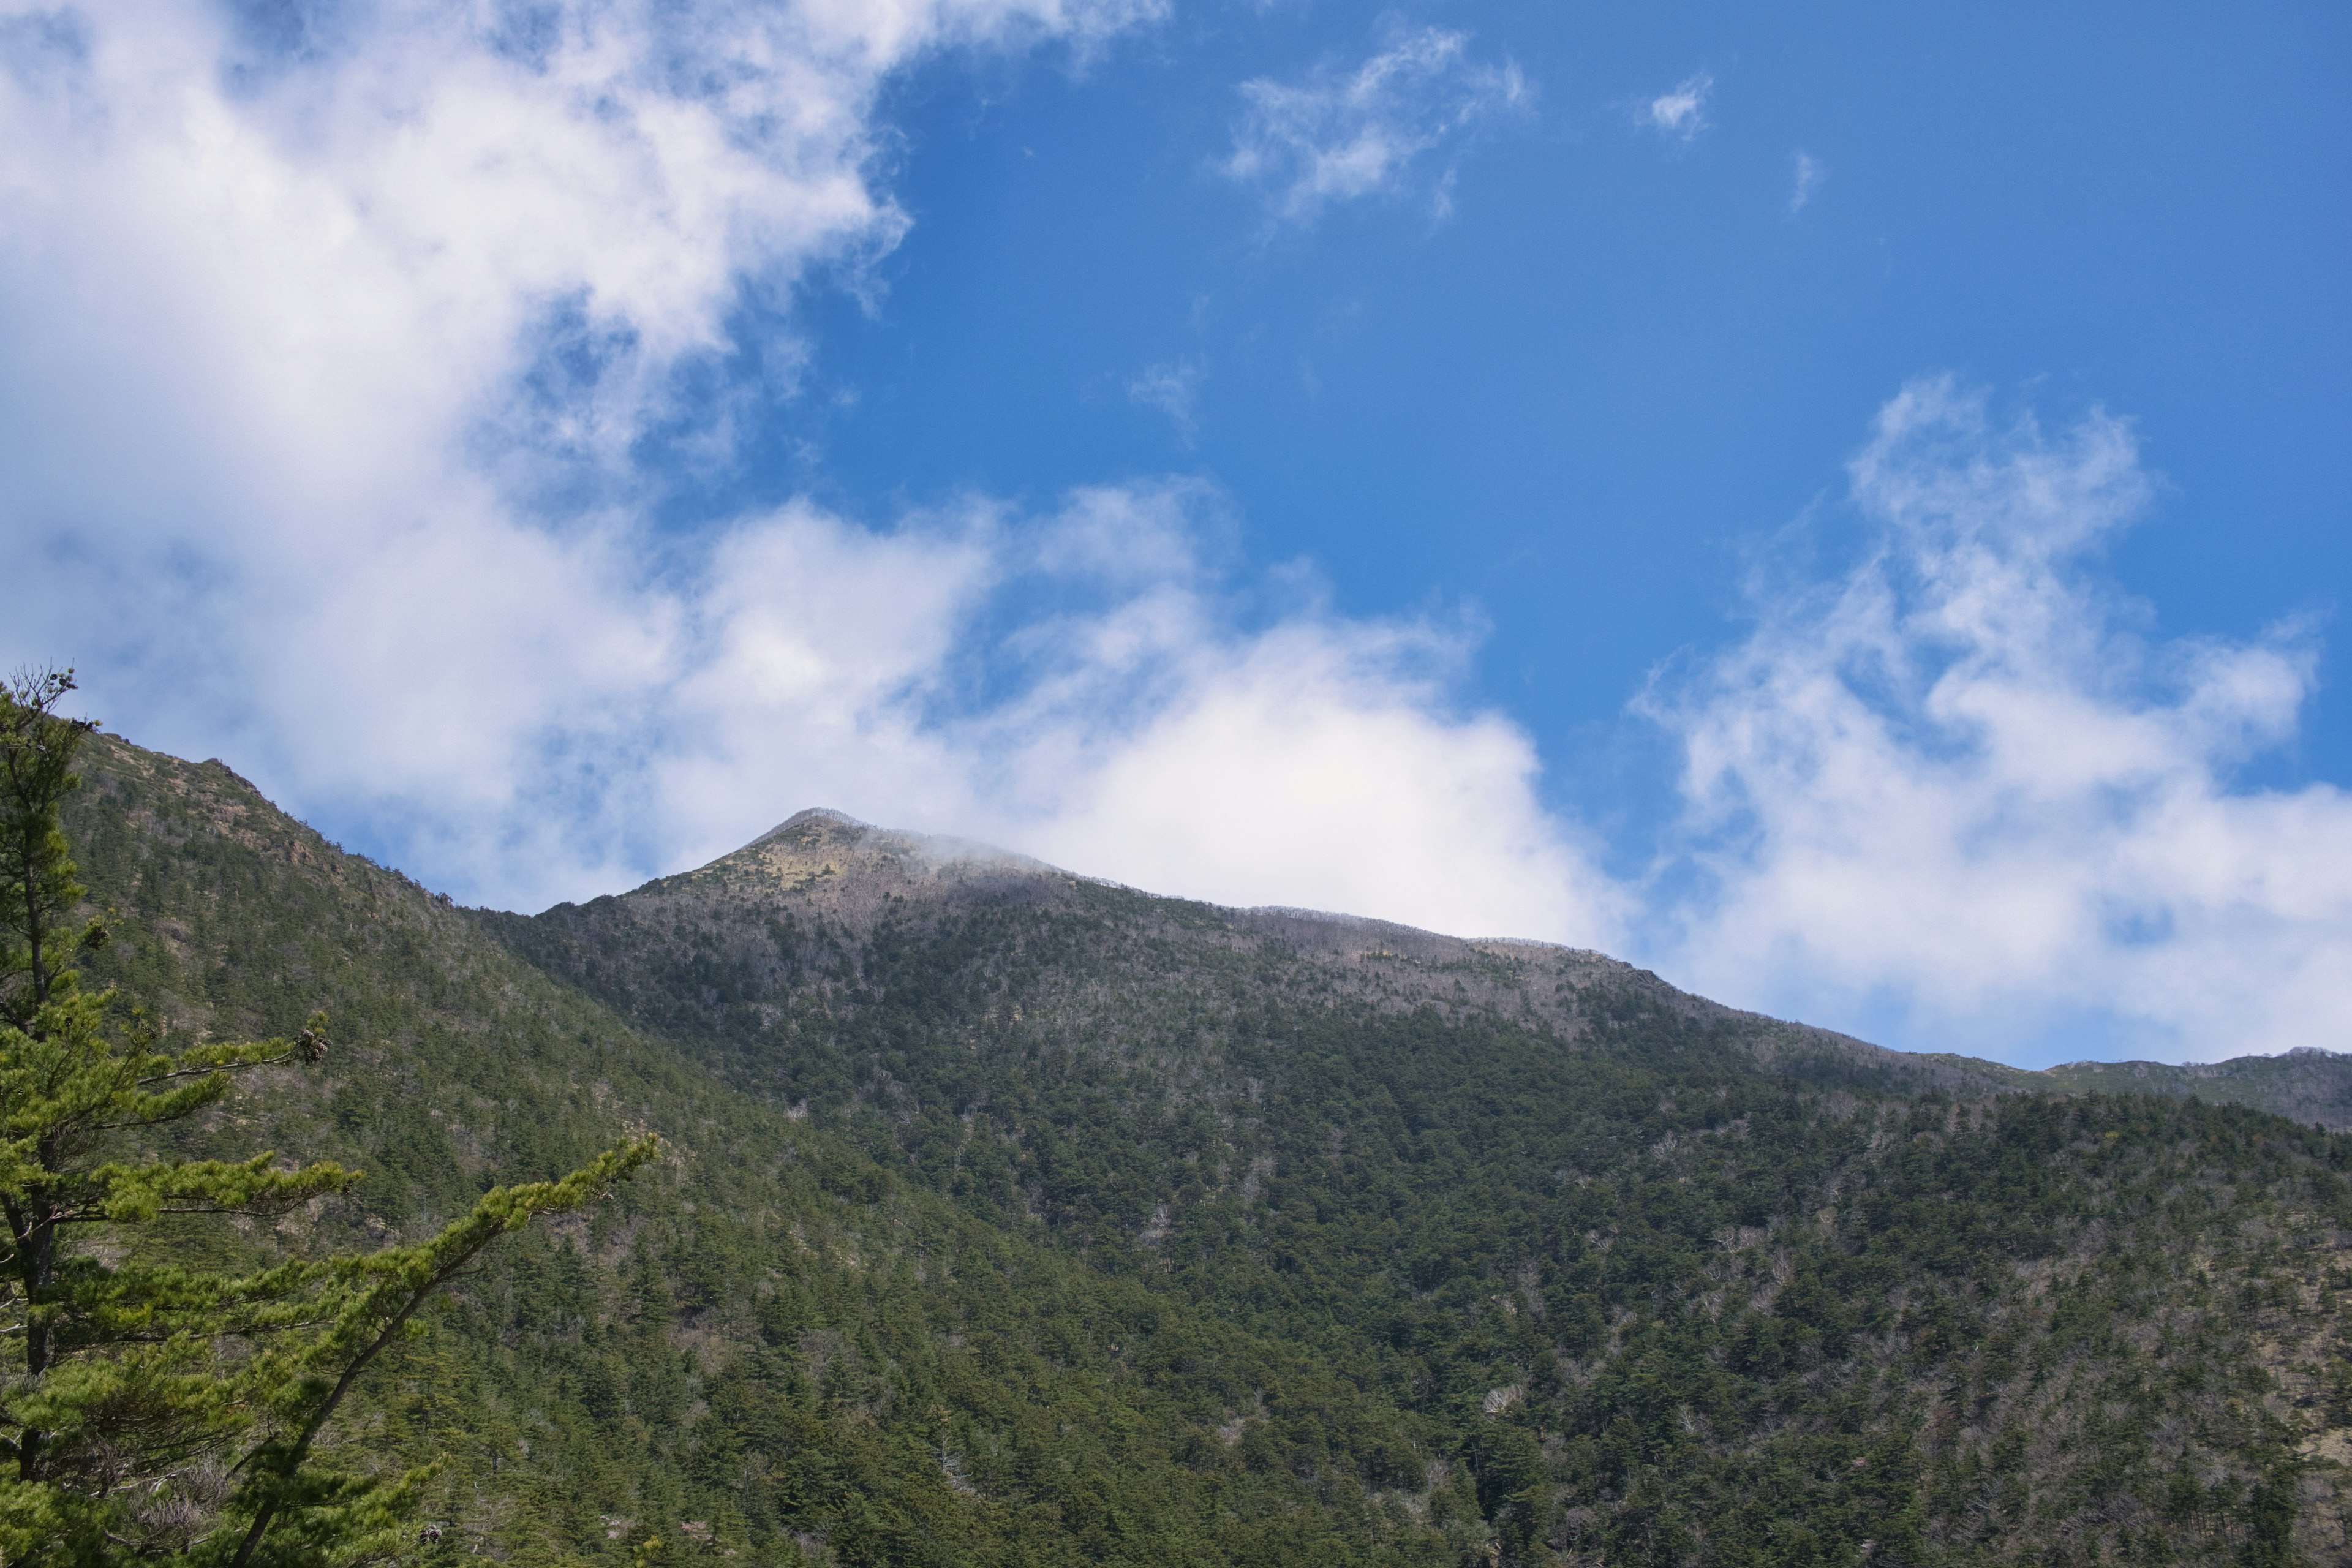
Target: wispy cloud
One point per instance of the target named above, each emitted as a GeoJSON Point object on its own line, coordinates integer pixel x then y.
{"type": "Point", "coordinates": [1173, 388]}
{"type": "Point", "coordinates": [1807, 177]}
{"type": "Point", "coordinates": [1344, 135]}
{"type": "Point", "coordinates": [1680, 112]}
{"type": "Point", "coordinates": [1953, 797]}
{"type": "Point", "coordinates": [300, 344]}
{"type": "Point", "coordinates": [303, 339]}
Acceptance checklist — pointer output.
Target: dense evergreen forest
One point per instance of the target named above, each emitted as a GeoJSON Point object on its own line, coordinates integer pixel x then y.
{"type": "Point", "coordinates": [1008, 1217]}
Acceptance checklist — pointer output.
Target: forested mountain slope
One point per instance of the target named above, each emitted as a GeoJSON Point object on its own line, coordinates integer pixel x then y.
{"type": "Point", "coordinates": [776, 1348]}
{"type": "Point", "coordinates": [711, 953]}
{"type": "Point", "coordinates": [1017, 1217]}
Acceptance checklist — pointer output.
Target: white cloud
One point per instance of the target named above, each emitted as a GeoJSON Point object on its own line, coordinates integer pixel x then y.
{"type": "Point", "coordinates": [1173, 389]}
{"type": "Point", "coordinates": [300, 343]}
{"type": "Point", "coordinates": [1341, 135]}
{"type": "Point", "coordinates": [1680, 113]}
{"type": "Point", "coordinates": [1311, 759]}
{"type": "Point", "coordinates": [1144, 733]}
{"type": "Point", "coordinates": [1806, 179]}
{"type": "Point", "coordinates": [1304, 767]}
{"type": "Point", "coordinates": [1956, 799]}
{"type": "Point", "coordinates": [299, 338]}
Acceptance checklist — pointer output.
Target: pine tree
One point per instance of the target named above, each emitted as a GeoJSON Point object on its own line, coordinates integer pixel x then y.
{"type": "Point", "coordinates": [149, 1408]}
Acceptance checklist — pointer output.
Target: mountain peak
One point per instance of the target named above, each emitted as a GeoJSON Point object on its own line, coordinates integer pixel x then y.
{"type": "Point", "coordinates": [806, 840]}
{"type": "Point", "coordinates": [815, 819]}
{"type": "Point", "coordinates": [829, 862]}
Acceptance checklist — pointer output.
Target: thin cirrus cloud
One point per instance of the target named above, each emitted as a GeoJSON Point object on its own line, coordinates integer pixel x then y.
{"type": "Point", "coordinates": [1679, 113]}
{"type": "Point", "coordinates": [1342, 134]}
{"type": "Point", "coordinates": [1173, 388]}
{"type": "Point", "coordinates": [295, 338]}
{"type": "Point", "coordinates": [1806, 177]}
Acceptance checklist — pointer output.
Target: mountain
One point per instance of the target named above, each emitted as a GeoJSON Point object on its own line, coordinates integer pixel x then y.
{"type": "Point", "coordinates": [1020, 1217]}
{"type": "Point", "coordinates": [709, 951]}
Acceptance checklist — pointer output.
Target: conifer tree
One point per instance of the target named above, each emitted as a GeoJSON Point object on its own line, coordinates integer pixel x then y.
{"type": "Point", "coordinates": [150, 1409]}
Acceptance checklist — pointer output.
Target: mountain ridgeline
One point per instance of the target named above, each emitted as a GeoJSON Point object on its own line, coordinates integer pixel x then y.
{"type": "Point", "coordinates": [1014, 1217]}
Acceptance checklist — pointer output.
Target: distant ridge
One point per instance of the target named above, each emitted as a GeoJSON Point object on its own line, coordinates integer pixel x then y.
{"type": "Point", "coordinates": [2308, 1084]}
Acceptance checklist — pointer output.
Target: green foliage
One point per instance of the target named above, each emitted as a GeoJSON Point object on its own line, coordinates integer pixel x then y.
{"type": "Point", "coordinates": [1743, 1316]}
{"type": "Point", "coordinates": [155, 1406]}
{"type": "Point", "coordinates": [37, 889]}
{"type": "Point", "coordinates": [1054, 1224]}
{"type": "Point", "coordinates": [324, 1514]}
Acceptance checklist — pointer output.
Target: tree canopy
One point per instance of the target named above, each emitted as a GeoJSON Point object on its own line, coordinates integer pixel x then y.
{"type": "Point", "coordinates": [154, 1405]}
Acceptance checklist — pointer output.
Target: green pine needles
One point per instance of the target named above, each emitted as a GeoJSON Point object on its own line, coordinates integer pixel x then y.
{"type": "Point", "coordinates": [153, 1409]}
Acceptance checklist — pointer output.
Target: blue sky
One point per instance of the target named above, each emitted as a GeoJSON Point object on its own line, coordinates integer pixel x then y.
{"type": "Point", "coordinates": [1621, 361]}
{"type": "Point", "coordinates": [1844, 506]}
